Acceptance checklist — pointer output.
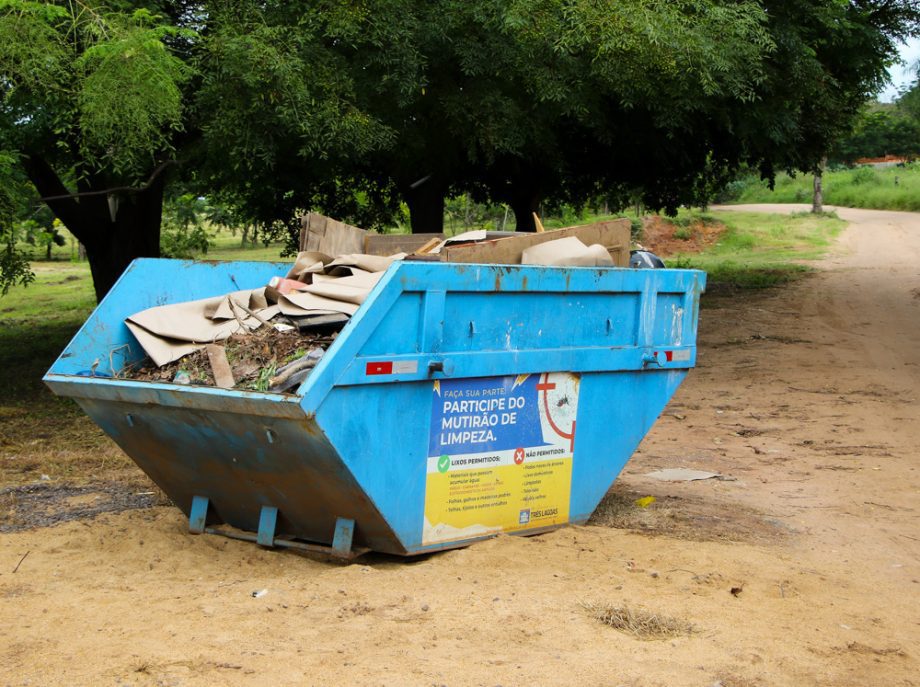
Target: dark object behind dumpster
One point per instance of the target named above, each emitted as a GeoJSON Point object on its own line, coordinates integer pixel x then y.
{"type": "Point", "coordinates": [460, 401]}
{"type": "Point", "coordinates": [644, 259]}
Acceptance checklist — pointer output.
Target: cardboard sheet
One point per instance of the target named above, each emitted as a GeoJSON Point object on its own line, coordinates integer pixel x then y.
{"type": "Point", "coordinates": [327, 235]}
{"type": "Point", "coordinates": [331, 287]}
{"type": "Point", "coordinates": [567, 251]}
{"type": "Point", "coordinates": [168, 332]}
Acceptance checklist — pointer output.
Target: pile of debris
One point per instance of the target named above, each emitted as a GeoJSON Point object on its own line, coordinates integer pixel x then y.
{"type": "Point", "coordinates": [265, 339]}
{"type": "Point", "coordinates": [262, 360]}
{"type": "Point", "coordinates": [270, 338]}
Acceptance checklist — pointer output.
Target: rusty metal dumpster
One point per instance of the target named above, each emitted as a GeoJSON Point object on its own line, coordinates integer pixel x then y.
{"type": "Point", "coordinates": [460, 401]}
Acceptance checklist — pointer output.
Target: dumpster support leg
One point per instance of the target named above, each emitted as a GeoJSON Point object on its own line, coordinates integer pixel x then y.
{"type": "Point", "coordinates": [344, 532]}
{"type": "Point", "coordinates": [267, 520]}
{"type": "Point", "coordinates": [199, 514]}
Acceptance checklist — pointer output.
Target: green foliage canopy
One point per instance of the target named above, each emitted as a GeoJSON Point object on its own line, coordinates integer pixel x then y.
{"type": "Point", "coordinates": [351, 106]}
{"type": "Point", "coordinates": [531, 99]}
{"type": "Point", "coordinates": [90, 84]}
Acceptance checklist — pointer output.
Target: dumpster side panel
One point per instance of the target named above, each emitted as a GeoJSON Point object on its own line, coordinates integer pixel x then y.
{"type": "Point", "coordinates": [433, 320]}
{"type": "Point", "coordinates": [381, 431]}
{"type": "Point", "coordinates": [104, 341]}
{"type": "Point", "coordinates": [615, 411]}
{"type": "Point", "coordinates": [242, 462]}
{"type": "Point", "coordinates": [629, 336]}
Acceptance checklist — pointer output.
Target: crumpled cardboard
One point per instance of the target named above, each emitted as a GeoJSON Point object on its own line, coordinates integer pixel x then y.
{"type": "Point", "coordinates": [331, 286]}
{"type": "Point", "coordinates": [568, 251]}
{"type": "Point", "coordinates": [168, 332]}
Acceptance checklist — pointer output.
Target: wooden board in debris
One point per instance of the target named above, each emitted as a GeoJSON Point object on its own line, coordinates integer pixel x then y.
{"type": "Point", "coordinates": [326, 235]}
{"type": "Point", "coordinates": [612, 235]}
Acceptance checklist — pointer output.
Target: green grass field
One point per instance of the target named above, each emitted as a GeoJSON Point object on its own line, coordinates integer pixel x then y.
{"type": "Point", "coordinates": [891, 188]}
{"type": "Point", "coordinates": [762, 250]}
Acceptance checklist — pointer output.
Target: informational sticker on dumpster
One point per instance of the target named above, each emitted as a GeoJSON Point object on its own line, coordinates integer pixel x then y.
{"type": "Point", "coordinates": [499, 454]}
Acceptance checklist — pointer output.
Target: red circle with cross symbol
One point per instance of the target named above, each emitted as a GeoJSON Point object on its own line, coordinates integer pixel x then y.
{"type": "Point", "coordinates": [518, 456]}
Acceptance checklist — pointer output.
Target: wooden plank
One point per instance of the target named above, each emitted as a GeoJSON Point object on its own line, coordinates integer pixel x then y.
{"type": "Point", "coordinates": [390, 244]}
{"type": "Point", "coordinates": [428, 247]}
{"type": "Point", "coordinates": [612, 235]}
{"type": "Point", "coordinates": [538, 224]}
{"type": "Point", "coordinates": [326, 235]}
{"type": "Point", "coordinates": [220, 366]}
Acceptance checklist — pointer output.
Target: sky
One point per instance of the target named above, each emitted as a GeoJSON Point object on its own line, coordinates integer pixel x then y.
{"type": "Point", "coordinates": [902, 75]}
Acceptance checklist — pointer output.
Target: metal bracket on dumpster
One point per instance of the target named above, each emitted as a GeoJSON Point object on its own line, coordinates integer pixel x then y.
{"type": "Point", "coordinates": [649, 359]}
{"type": "Point", "coordinates": [198, 516]}
{"type": "Point", "coordinates": [344, 533]}
{"type": "Point", "coordinates": [267, 521]}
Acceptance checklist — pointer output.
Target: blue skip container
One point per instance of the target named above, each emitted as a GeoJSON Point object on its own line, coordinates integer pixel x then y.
{"type": "Point", "coordinates": [460, 401]}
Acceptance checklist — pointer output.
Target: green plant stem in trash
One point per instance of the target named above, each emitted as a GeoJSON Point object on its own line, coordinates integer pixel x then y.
{"type": "Point", "coordinates": [265, 375]}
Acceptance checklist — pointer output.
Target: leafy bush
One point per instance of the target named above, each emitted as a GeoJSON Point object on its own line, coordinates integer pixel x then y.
{"type": "Point", "coordinates": [636, 229]}
{"type": "Point", "coordinates": [183, 234]}
{"type": "Point", "coordinates": [864, 175]}
{"type": "Point", "coordinates": [184, 242]}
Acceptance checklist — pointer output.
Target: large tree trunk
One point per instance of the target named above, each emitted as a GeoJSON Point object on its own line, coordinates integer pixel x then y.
{"type": "Point", "coordinates": [817, 201]}
{"type": "Point", "coordinates": [115, 228]}
{"type": "Point", "coordinates": [135, 233]}
{"type": "Point", "coordinates": [524, 207]}
{"type": "Point", "coordinates": [426, 207]}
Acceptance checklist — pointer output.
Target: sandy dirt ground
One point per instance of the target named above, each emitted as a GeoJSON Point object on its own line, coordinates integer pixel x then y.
{"type": "Point", "coordinates": [800, 568]}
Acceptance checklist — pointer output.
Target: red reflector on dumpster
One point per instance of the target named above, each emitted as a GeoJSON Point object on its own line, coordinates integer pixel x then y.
{"type": "Point", "coordinates": [383, 368]}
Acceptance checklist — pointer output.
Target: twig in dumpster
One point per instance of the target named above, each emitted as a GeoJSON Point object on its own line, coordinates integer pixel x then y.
{"type": "Point", "coordinates": [251, 312]}
{"type": "Point", "coordinates": [112, 353]}
{"type": "Point", "coordinates": [21, 560]}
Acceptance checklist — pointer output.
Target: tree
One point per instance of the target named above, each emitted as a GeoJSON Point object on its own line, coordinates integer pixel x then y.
{"type": "Point", "coordinates": [353, 107]}
{"type": "Point", "coordinates": [14, 266]}
{"type": "Point", "coordinates": [95, 97]}
{"type": "Point", "coordinates": [880, 130]}
{"type": "Point", "coordinates": [522, 101]}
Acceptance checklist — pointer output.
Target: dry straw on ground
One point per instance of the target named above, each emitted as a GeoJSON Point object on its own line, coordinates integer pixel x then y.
{"type": "Point", "coordinates": [637, 622]}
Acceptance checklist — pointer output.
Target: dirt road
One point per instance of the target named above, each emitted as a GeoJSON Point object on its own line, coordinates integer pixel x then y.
{"type": "Point", "coordinates": [801, 568]}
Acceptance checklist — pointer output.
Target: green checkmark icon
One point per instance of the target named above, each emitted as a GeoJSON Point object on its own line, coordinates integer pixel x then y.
{"type": "Point", "coordinates": [443, 463]}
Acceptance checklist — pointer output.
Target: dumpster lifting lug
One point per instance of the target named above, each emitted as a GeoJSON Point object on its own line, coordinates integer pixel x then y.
{"type": "Point", "coordinates": [268, 518]}
{"type": "Point", "coordinates": [198, 515]}
{"type": "Point", "coordinates": [649, 359]}
{"type": "Point", "coordinates": [445, 367]}
{"type": "Point", "coordinates": [344, 533]}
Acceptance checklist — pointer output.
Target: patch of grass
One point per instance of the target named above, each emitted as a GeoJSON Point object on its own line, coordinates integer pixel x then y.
{"type": "Point", "coordinates": [889, 188]}
{"type": "Point", "coordinates": [763, 250]}
{"type": "Point", "coordinates": [42, 434]}
{"type": "Point", "coordinates": [638, 622]}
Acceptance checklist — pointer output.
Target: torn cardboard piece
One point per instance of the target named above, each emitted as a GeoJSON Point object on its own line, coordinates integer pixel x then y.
{"type": "Point", "coordinates": [352, 289]}
{"type": "Point", "coordinates": [347, 264]}
{"type": "Point", "coordinates": [568, 251]}
{"type": "Point", "coordinates": [307, 264]}
{"type": "Point", "coordinates": [168, 332]}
